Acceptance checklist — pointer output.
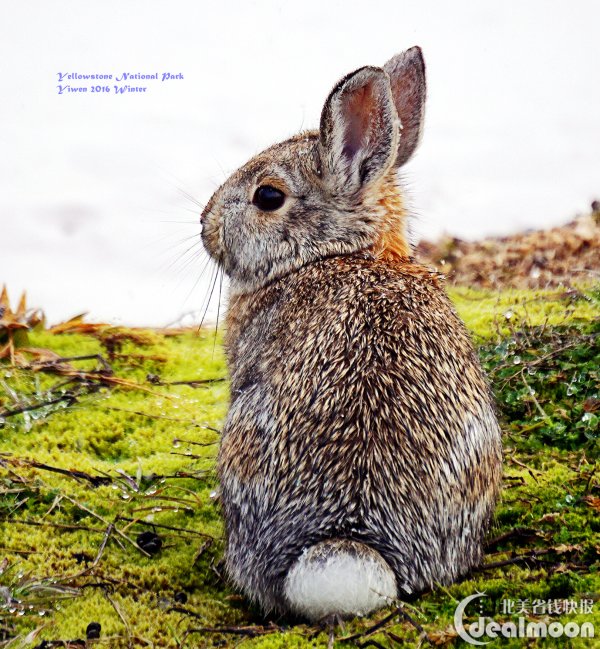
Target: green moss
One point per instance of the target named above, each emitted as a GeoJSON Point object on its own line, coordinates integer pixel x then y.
{"type": "Point", "coordinates": [489, 314]}
{"type": "Point", "coordinates": [145, 452]}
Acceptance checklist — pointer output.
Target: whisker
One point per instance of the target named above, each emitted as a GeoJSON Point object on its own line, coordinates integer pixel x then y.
{"type": "Point", "coordinates": [207, 263]}
{"type": "Point", "coordinates": [176, 182]}
{"type": "Point", "coordinates": [156, 210]}
{"type": "Point", "coordinates": [189, 222]}
{"type": "Point", "coordinates": [174, 244]}
{"type": "Point", "coordinates": [209, 298]}
{"type": "Point", "coordinates": [180, 263]}
{"type": "Point", "coordinates": [196, 235]}
{"type": "Point", "coordinates": [181, 256]}
{"type": "Point", "coordinates": [173, 237]}
{"type": "Point", "coordinates": [191, 198]}
{"type": "Point", "coordinates": [213, 270]}
{"type": "Point", "coordinates": [218, 312]}
{"type": "Point", "coordinates": [225, 174]}
{"type": "Point", "coordinates": [192, 257]}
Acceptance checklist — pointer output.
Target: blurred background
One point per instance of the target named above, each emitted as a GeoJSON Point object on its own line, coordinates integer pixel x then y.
{"type": "Point", "coordinates": [99, 192]}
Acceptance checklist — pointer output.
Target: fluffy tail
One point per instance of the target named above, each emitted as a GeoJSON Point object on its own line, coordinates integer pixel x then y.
{"type": "Point", "coordinates": [339, 577]}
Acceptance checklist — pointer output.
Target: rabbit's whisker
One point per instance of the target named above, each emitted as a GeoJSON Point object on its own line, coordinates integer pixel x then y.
{"type": "Point", "coordinates": [191, 259]}
{"type": "Point", "coordinates": [207, 263]}
{"type": "Point", "coordinates": [179, 258]}
{"type": "Point", "coordinates": [191, 198]}
{"type": "Point", "coordinates": [218, 308]}
{"type": "Point", "coordinates": [210, 294]}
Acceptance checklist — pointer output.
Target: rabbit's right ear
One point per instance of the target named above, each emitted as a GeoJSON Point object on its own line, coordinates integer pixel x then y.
{"type": "Point", "coordinates": [407, 79]}
{"type": "Point", "coordinates": [358, 132]}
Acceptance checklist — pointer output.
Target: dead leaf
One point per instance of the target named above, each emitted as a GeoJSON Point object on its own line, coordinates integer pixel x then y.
{"type": "Point", "coordinates": [442, 638]}
{"type": "Point", "coordinates": [591, 404]}
{"type": "Point", "coordinates": [593, 502]}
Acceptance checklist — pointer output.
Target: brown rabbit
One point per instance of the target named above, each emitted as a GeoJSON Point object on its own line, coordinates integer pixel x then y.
{"type": "Point", "coordinates": [361, 456]}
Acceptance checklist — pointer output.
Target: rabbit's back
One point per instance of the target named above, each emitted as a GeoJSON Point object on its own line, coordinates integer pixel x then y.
{"type": "Point", "coordinates": [358, 410]}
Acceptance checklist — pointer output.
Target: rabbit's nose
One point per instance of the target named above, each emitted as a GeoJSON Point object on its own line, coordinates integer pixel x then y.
{"type": "Point", "coordinates": [207, 210]}
{"type": "Point", "coordinates": [204, 216]}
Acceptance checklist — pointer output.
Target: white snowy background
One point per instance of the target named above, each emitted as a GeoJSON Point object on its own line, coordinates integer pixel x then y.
{"type": "Point", "coordinates": [92, 214]}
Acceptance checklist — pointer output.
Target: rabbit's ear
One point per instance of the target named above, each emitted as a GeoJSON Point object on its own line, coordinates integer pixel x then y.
{"type": "Point", "coordinates": [407, 78]}
{"type": "Point", "coordinates": [359, 131]}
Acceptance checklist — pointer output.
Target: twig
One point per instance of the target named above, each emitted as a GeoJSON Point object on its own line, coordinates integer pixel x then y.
{"type": "Point", "coordinates": [246, 631]}
{"type": "Point", "coordinates": [166, 527]}
{"type": "Point", "coordinates": [185, 611]}
{"type": "Point", "coordinates": [529, 470]}
{"type": "Point", "coordinates": [200, 474]}
{"type": "Point", "coordinates": [398, 611]}
{"type": "Point", "coordinates": [396, 638]}
{"type": "Point", "coordinates": [121, 615]}
{"type": "Point", "coordinates": [535, 401]}
{"type": "Point", "coordinates": [177, 440]}
{"type": "Point", "coordinates": [68, 359]}
{"type": "Point", "coordinates": [102, 547]}
{"type": "Point", "coordinates": [99, 554]}
{"type": "Point", "coordinates": [520, 558]}
{"type": "Point", "coordinates": [518, 532]}
{"type": "Point", "coordinates": [589, 480]}
{"type": "Point", "coordinates": [101, 518]}
{"type": "Point", "coordinates": [60, 526]}
{"type": "Point", "coordinates": [23, 552]}
{"type": "Point", "coordinates": [201, 550]}
{"type": "Point", "coordinates": [36, 406]}
{"type": "Point", "coordinates": [371, 643]}
{"type": "Point", "coordinates": [372, 629]}
{"type": "Point", "coordinates": [417, 626]}
{"type": "Point", "coordinates": [46, 644]}
{"type": "Point", "coordinates": [194, 383]}
{"type": "Point", "coordinates": [191, 422]}
{"type": "Point", "coordinates": [77, 475]}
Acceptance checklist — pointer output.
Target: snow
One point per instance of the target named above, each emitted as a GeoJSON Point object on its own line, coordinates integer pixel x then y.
{"type": "Point", "coordinates": [91, 212]}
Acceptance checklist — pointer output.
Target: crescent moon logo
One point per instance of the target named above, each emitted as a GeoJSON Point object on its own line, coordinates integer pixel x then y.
{"type": "Point", "coordinates": [458, 620]}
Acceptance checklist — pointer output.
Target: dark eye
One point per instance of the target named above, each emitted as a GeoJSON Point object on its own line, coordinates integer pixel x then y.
{"type": "Point", "coordinates": [268, 198]}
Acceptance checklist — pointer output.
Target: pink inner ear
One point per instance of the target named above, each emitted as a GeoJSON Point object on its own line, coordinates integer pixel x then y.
{"type": "Point", "coordinates": [407, 99]}
{"type": "Point", "coordinates": [407, 79]}
{"type": "Point", "coordinates": [358, 110]}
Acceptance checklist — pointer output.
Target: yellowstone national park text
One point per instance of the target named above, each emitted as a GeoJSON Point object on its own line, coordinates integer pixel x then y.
{"type": "Point", "coordinates": [118, 84]}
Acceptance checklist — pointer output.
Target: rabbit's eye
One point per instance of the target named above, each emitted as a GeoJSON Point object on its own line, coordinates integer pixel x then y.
{"type": "Point", "coordinates": [268, 198]}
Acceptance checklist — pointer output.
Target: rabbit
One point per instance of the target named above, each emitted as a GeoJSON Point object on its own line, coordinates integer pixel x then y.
{"type": "Point", "coordinates": [360, 459]}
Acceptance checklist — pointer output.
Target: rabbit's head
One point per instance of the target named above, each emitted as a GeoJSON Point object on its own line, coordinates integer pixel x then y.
{"type": "Point", "coordinates": [326, 192]}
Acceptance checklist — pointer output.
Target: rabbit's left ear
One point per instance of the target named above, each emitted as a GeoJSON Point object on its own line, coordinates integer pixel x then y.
{"type": "Point", "coordinates": [358, 131]}
{"type": "Point", "coordinates": [407, 79]}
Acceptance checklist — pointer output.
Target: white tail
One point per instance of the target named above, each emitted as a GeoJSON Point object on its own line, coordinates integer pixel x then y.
{"type": "Point", "coordinates": [339, 577]}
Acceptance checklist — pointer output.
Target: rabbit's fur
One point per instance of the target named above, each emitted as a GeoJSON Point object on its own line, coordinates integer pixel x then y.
{"type": "Point", "coordinates": [361, 456]}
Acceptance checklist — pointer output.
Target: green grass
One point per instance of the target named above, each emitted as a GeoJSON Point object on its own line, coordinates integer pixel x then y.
{"type": "Point", "coordinates": [139, 457]}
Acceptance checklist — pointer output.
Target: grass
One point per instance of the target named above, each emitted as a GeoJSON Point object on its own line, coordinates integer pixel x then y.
{"type": "Point", "coordinates": [107, 487]}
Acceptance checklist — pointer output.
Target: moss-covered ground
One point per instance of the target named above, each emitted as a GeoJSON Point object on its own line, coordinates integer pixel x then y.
{"type": "Point", "coordinates": [108, 512]}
